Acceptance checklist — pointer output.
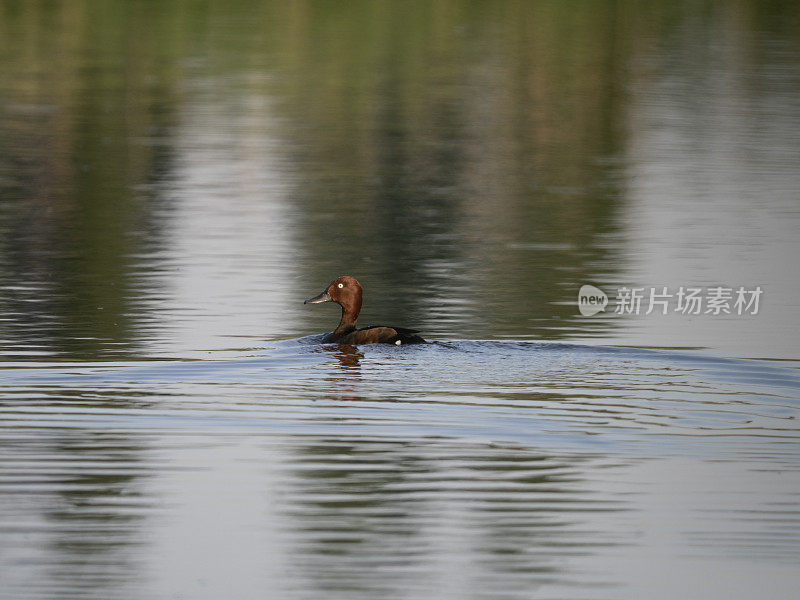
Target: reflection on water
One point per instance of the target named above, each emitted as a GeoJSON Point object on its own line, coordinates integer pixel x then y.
{"type": "Point", "coordinates": [175, 178]}
{"type": "Point", "coordinates": [433, 513]}
{"type": "Point", "coordinates": [460, 469]}
{"type": "Point", "coordinates": [313, 468]}
{"type": "Point", "coordinates": [473, 165]}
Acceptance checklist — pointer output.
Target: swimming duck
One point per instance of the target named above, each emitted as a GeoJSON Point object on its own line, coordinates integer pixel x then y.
{"type": "Point", "coordinates": [346, 292]}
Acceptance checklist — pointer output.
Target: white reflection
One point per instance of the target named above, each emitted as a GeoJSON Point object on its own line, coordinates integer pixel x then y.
{"type": "Point", "coordinates": [699, 529]}
{"type": "Point", "coordinates": [713, 186]}
{"type": "Point", "coordinates": [217, 534]}
{"type": "Point", "coordinates": [229, 227]}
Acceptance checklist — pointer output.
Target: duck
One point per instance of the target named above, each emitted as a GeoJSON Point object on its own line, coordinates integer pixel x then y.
{"type": "Point", "coordinates": [347, 293]}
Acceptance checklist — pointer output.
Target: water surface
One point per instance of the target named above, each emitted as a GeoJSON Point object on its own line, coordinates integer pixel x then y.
{"type": "Point", "coordinates": [176, 177]}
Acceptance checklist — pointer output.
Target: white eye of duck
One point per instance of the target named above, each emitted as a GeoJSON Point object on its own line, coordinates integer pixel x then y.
{"type": "Point", "coordinates": [341, 285]}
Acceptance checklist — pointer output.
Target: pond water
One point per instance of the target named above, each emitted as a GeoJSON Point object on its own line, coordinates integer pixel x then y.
{"type": "Point", "coordinates": [176, 177]}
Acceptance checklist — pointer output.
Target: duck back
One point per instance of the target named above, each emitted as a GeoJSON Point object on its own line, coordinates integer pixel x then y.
{"type": "Point", "coordinates": [380, 334]}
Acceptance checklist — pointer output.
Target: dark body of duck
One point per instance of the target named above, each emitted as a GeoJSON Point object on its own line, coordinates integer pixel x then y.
{"type": "Point", "coordinates": [346, 292]}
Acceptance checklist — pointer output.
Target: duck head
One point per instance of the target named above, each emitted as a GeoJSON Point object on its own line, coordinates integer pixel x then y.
{"type": "Point", "coordinates": [346, 292]}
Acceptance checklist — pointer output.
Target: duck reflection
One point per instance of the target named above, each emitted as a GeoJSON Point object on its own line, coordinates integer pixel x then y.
{"type": "Point", "coordinates": [349, 358]}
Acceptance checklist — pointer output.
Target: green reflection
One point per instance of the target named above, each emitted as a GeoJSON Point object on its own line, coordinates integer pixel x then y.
{"type": "Point", "coordinates": [362, 506]}
{"type": "Point", "coordinates": [464, 159]}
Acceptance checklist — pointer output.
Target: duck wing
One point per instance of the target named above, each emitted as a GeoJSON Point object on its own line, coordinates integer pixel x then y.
{"type": "Point", "coordinates": [382, 334]}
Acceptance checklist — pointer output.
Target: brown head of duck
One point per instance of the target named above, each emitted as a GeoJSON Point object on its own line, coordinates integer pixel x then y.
{"type": "Point", "coordinates": [347, 293]}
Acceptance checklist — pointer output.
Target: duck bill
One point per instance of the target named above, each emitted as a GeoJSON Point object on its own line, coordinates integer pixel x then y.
{"type": "Point", "coordinates": [323, 297]}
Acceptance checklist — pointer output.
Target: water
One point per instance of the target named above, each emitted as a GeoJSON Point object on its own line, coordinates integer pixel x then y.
{"type": "Point", "coordinates": [176, 177]}
{"type": "Point", "coordinates": [456, 469]}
